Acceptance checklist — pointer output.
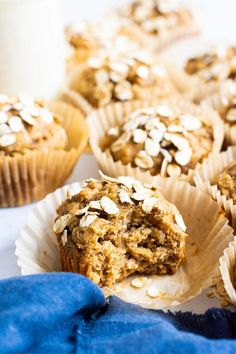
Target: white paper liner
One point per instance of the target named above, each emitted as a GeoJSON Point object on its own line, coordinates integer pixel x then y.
{"type": "Point", "coordinates": [76, 100]}
{"type": "Point", "coordinates": [101, 120]}
{"type": "Point", "coordinates": [227, 263]}
{"type": "Point", "coordinates": [206, 174]}
{"type": "Point", "coordinates": [38, 252]}
{"type": "Point", "coordinates": [226, 90]}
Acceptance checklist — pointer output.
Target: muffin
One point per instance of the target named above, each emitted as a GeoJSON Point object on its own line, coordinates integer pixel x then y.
{"type": "Point", "coordinates": [108, 78]}
{"type": "Point", "coordinates": [26, 124]}
{"type": "Point", "coordinates": [159, 22]}
{"type": "Point", "coordinates": [224, 102]}
{"type": "Point", "coordinates": [161, 140]}
{"type": "Point", "coordinates": [33, 141]}
{"type": "Point", "coordinates": [85, 40]}
{"type": "Point", "coordinates": [117, 227]}
{"type": "Point", "coordinates": [88, 39]}
{"type": "Point", "coordinates": [216, 65]}
{"type": "Point", "coordinates": [226, 181]}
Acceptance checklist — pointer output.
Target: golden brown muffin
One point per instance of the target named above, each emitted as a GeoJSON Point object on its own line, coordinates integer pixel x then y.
{"type": "Point", "coordinates": [108, 78]}
{"type": "Point", "coordinates": [215, 65]}
{"type": "Point", "coordinates": [38, 148]}
{"type": "Point", "coordinates": [84, 39]}
{"type": "Point", "coordinates": [157, 16]}
{"type": "Point", "coordinates": [117, 227]}
{"type": "Point", "coordinates": [226, 181]}
{"type": "Point", "coordinates": [89, 39]}
{"type": "Point", "coordinates": [228, 109]}
{"type": "Point", "coordinates": [161, 140]}
{"type": "Point", "coordinates": [26, 124]}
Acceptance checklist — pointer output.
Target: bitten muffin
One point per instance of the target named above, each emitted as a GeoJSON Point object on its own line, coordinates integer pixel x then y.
{"type": "Point", "coordinates": [226, 181]}
{"type": "Point", "coordinates": [216, 65]}
{"type": "Point", "coordinates": [25, 124]}
{"type": "Point", "coordinates": [117, 227]}
{"type": "Point", "coordinates": [155, 17]}
{"type": "Point", "coordinates": [108, 78]}
{"type": "Point", "coordinates": [161, 140]}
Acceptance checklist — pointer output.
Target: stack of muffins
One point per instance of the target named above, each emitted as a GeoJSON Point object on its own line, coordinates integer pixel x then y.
{"type": "Point", "coordinates": [147, 121]}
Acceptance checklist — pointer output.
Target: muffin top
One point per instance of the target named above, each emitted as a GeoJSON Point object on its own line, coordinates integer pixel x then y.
{"type": "Point", "coordinates": [113, 77]}
{"type": "Point", "coordinates": [88, 39]}
{"type": "Point", "coordinates": [156, 16]}
{"type": "Point", "coordinates": [215, 65]}
{"type": "Point", "coordinates": [25, 124]}
{"type": "Point", "coordinates": [160, 139]}
{"type": "Point", "coordinates": [116, 227]}
{"type": "Point", "coordinates": [228, 109]}
{"type": "Point", "coordinates": [226, 181]}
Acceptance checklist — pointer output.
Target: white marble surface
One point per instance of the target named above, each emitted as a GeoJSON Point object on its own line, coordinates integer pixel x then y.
{"type": "Point", "coordinates": [220, 26]}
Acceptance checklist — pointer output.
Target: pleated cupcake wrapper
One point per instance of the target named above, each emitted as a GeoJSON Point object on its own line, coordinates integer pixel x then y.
{"type": "Point", "coordinates": [37, 249]}
{"type": "Point", "coordinates": [113, 115]}
{"type": "Point", "coordinates": [227, 90]}
{"type": "Point", "coordinates": [227, 264]}
{"type": "Point", "coordinates": [28, 177]}
{"type": "Point", "coordinates": [205, 177]}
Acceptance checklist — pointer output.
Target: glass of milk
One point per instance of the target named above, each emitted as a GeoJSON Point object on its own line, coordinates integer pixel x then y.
{"type": "Point", "coordinates": [32, 47]}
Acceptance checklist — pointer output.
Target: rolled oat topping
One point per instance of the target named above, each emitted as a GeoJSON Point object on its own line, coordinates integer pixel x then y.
{"type": "Point", "coordinates": [25, 123]}
{"type": "Point", "coordinates": [156, 16]}
{"type": "Point", "coordinates": [88, 39]}
{"type": "Point", "coordinates": [124, 76]}
{"type": "Point", "coordinates": [161, 140]}
{"type": "Point", "coordinates": [117, 227]}
{"type": "Point", "coordinates": [215, 65]}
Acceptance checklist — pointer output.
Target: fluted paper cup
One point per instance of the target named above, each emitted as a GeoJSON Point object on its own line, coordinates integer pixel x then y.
{"type": "Point", "coordinates": [228, 271]}
{"type": "Point", "coordinates": [38, 252]}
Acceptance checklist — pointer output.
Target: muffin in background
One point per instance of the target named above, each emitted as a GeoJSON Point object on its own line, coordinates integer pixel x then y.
{"type": "Point", "coordinates": [37, 148]}
{"type": "Point", "coordinates": [88, 39]}
{"type": "Point", "coordinates": [85, 40]}
{"type": "Point", "coordinates": [124, 76]}
{"type": "Point", "coordinates": [159, 22]}
{"type": "Point", "coordinates": [160, 139]}
{"type": "Point", "coordinates": [215, 65]}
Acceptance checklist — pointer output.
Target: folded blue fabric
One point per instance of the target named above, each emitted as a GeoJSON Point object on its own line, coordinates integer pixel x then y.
{"type": "Point", "coordinates": [67, 313]}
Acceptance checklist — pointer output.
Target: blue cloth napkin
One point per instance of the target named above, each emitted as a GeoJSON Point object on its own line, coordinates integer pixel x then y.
{"type": "Point", "coordinates": [67, 313]}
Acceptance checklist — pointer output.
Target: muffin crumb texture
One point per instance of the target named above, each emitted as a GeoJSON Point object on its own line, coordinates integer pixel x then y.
{"type": "Point", "coordinates": [117, 227]}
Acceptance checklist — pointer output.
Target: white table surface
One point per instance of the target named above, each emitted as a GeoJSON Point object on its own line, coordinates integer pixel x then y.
{"type": "Point", "coordinates": [219, 26]}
